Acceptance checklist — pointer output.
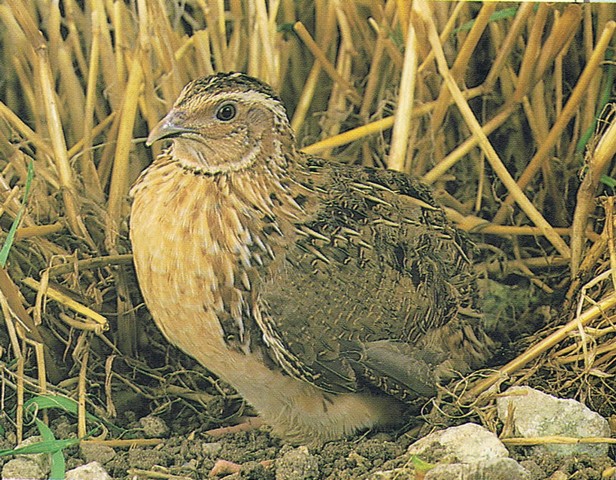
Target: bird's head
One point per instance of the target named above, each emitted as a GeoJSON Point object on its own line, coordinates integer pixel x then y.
{"type": "Point", "coordinates": [225, 122]}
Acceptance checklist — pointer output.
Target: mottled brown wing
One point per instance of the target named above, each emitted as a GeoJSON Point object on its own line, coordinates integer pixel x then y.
{"type": "Point", "coordinates": [373, 269]}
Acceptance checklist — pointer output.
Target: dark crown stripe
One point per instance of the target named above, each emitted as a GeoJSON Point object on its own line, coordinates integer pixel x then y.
{"type": "Point", "coordinates": [224, 81]}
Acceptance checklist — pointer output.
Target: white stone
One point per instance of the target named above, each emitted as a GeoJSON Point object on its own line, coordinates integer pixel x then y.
{"type": "Point", "coordinates": [493, 469]}
{"type": "Point", "coordinates": [23, 468]}
{"type": "Point", "coordinates": [89, 471]}
{"type": "Point", "coordinates": [467, 452]}
{"type": "Point", "coordinates": [42, 459]}
{"type": "Point", "coordinates": [537, 414]}
{"type": "Point", "coordinates": [468, 443]}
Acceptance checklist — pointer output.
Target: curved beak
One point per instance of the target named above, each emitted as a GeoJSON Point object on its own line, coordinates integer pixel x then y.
{"type": "Point", "coordinates": [168, 127]}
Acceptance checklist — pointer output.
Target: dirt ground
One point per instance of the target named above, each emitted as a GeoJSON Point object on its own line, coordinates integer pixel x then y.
{"type": "Point", "coordinates": [186, 440]}
{"type": "Point", "coordinates": [191, 451]}
{"type": "Point", "coordinates": [198, 455]}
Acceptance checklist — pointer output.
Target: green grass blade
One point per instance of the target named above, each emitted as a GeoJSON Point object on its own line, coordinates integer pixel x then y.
{"type": "Point", "coordinates": [421, 465]}
{"type": "Point", "coordinates": [495, 17]}
{"type": "Point", "coordinates": [57, 463]}
{"type": "Point", "coordinates": [46, 446]}
{"type": "Point", "coordinates": [42, 402]}
{"type": "Point", "coordinates": [10, 238]}
{"type": "Point", "coordinates": [608, 181]}
{"type": "Point", "coordinates": [605, 97]}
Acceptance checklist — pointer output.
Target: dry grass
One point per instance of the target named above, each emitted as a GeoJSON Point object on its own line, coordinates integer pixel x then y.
{"type": "Point", "coordinates": [494, 105]}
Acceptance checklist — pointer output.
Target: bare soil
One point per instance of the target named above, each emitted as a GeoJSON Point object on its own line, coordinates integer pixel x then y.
{"type": "Point", "coordinates": [190, 451]}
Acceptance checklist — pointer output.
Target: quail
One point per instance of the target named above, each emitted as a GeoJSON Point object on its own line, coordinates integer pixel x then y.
{"type": "Point", "coordinates": [329, 295]}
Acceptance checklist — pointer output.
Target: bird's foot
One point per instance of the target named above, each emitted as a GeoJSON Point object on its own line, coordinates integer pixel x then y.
{"type": "Point", "coordinates": [248, 423]}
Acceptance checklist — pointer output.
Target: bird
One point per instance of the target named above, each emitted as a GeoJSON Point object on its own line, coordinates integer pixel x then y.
{"type": "Point", "coordinates": [331, 296]}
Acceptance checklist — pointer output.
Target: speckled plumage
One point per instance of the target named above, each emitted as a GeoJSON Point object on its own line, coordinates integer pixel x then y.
{"type": "Point", "coordinates": [326, 294]}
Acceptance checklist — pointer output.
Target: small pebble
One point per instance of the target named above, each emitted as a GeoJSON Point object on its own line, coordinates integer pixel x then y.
{"type": "Point", "coordinates": [558, 475]}
{"type": "Point", "coordinates": [146, 458]}
{"type": "Point", "coordinates": [395, 474]}
{"type": "Point", "coordinates": [211, 449]}
{"type": "Point", "coordinates": [297, 463]}
{"type": "Point", "coordinates": [91, 452]}
{"type": "Point", "coordinates": [154, 427]}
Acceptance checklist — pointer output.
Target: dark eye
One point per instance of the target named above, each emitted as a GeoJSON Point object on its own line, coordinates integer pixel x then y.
{"type": "Point", "coordinates": [226, 112]}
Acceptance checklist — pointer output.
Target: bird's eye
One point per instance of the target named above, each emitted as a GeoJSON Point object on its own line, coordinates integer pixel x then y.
{"type": "Point", "coordinates": [226, 112]}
